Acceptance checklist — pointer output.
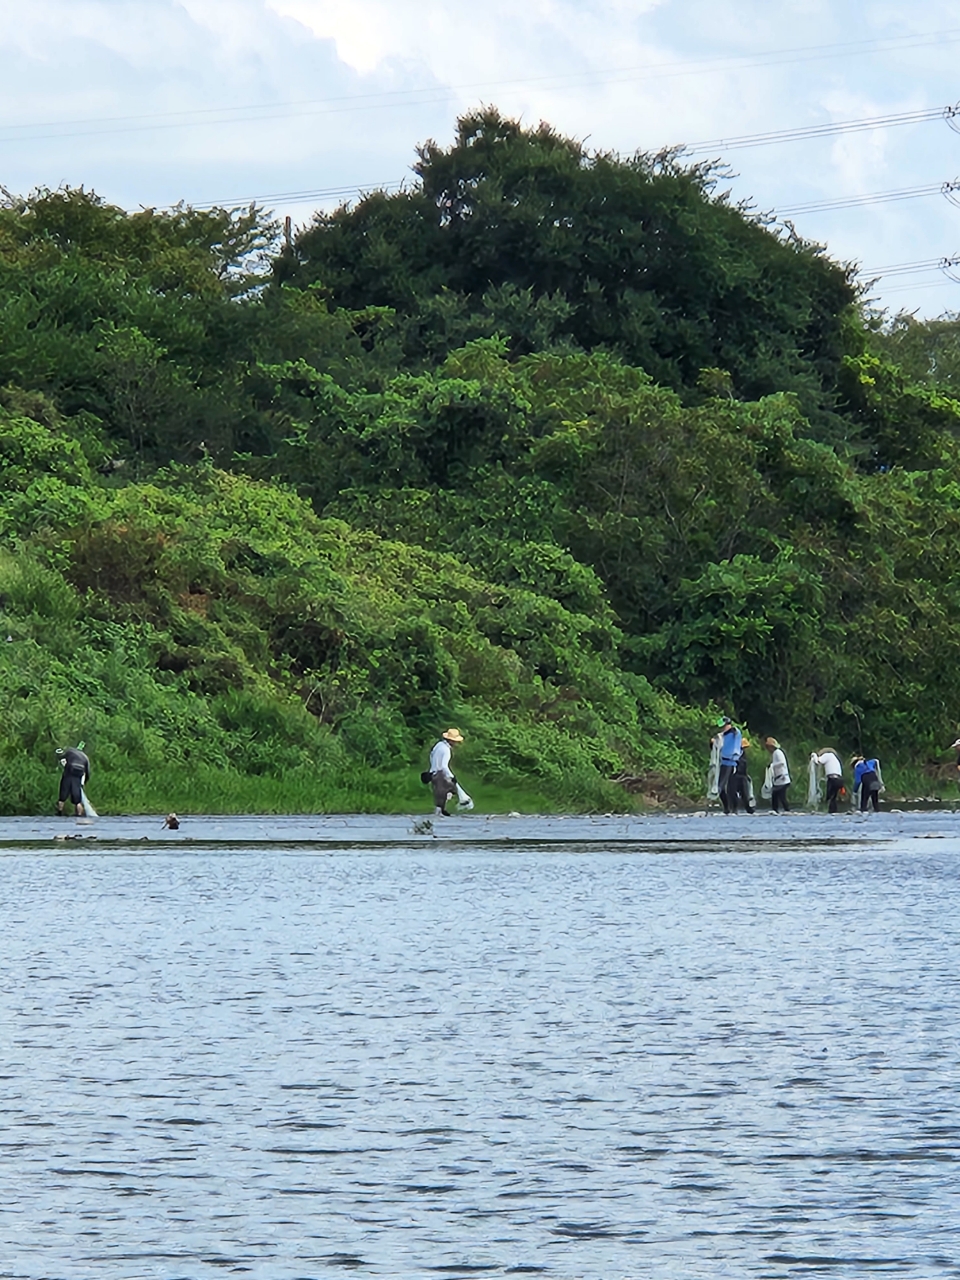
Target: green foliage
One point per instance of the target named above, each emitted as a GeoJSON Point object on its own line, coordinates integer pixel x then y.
{"type": "Point", "coordinates": [205, 619]}
{"type": "Point", "coordinates": [555, 445]}
{"type": "Point", "coordinates": [901, 424]}
{"type": "Point", "coordinates": [526, 233]}
{"type": "Point", "coordinates": [928, 351]}
{"type": "Point", "coordinates": [743, 557]}
{"type": "Point", "coordinates": [152, 326]}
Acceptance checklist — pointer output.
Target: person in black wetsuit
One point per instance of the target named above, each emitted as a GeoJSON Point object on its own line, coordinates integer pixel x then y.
{"type": "Point", "coordinates": [76, 774]}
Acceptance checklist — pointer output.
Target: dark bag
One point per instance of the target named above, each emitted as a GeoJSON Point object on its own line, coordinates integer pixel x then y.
{"type": "Point", "coordinates": [426, 777]}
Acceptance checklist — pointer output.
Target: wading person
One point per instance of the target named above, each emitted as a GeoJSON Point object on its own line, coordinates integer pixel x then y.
{"type": "Point", "coordinates": [740, 790]}
{"type": "Point", "coordinates": [779, 775]}
{"type": "Point", "coordinates": [829, 761]}
{"type": "Point", "coordinates": [868, 780]}
{"type": "Point", "coordinates": [440, 775]}
{"type": "Point", "coordinates": [76, 774]}
{"type": "Point", "coordinates": [731, 749]}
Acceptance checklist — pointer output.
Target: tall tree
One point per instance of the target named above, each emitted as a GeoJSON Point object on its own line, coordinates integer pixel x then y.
{"type": "Point", "coordinates": [528, 232]}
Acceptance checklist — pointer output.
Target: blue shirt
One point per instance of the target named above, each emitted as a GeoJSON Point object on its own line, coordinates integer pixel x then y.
{"type": "Point", "coordinates": [862, 767]}
{"type": "Point", "coordinates": [731, 746]}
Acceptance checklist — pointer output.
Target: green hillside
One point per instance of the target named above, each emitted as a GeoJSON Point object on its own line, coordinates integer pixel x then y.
{"type": "Point", "coordinates": [562, 448]}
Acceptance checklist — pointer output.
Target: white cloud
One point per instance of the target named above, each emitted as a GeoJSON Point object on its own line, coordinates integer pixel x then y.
{"type": "Point", "coordinates": [459, 42]}
{"type": "Point", "coordinates": [363, 33]}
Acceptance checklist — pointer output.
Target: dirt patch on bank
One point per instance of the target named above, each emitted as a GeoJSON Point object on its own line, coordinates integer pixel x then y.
{"type": "Point", "coordinates": [656, 790]}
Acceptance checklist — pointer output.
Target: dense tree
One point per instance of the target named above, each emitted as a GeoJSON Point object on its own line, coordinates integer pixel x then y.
{"type": "Point", "coordinates": [527, 233]}
{"type": "Point", "coordinates": [927, 351]}
{"type": "Point", "coordinates": [152, 326]}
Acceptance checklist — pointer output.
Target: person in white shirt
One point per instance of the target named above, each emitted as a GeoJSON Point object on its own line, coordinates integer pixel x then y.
{"type": "Point", "coordinates": [442, 778]}
{"type": "Point", "coordinates": [779, 776]}
{"type": "Point", "coordinates": [833, 771]}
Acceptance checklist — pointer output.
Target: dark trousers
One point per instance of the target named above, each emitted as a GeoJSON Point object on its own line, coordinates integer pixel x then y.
{"type": "Point", "coordinates": [738, 793]}
{"type": "Point", "coordinates": [70, 786]}
{"type": "Point", "coordinates": [778, 799]}
{"type": "Point", "coordinates": [869, 792]}
{"type": "Point", "coordinates": [834, 787]}
{"type": "Point", "coordinates": [444, 786]}
{"type": "Point", "coordinates": [725, 783]}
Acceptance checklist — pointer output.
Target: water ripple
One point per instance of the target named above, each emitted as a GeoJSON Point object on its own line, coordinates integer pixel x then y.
{"type": "Point", "coordinates": [566, 1062]}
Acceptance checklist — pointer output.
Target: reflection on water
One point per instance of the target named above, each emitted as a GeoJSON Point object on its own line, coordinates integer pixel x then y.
{"type": "Point", "coordinates": [434, 1060]}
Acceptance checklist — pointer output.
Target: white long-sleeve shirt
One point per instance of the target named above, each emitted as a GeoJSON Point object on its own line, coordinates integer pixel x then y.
{"type": "Point", "coordinates": [440, 758]}
{"type": "Point", "coordinates": [831, 764]}
{"type": "Point", "coordinates": [778, 764]}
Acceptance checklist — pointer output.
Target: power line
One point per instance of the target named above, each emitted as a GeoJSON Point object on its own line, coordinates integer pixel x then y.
{"type": "Point", "coordinates": [949, 189]}
{"type": "Point", "coordinates": [912, 288]}
{"type": "Point", "coordinates": [901, 268]}
{"type": "Point", "coordinates": [911, 268]}
{"type": "Point", "coordinates": [253, 115]}
{"type": "Point", "coordinates": [429, 95]}
{"type": "Point", "coordinates": [950, 113]}
{"type": "Point", "coordinates": [299, 197]}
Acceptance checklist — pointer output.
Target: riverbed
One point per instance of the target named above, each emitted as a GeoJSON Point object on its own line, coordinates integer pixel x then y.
{"type": "Point", "coordinates": [672, 1047]}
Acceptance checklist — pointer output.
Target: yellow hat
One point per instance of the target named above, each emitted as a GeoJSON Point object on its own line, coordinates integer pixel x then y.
{"type": "Point", "coordinates": [452, 735]}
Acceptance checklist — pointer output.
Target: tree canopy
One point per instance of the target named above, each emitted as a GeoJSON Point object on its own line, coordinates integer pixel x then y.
{"type": "Point", "coordinates": [526, 233]}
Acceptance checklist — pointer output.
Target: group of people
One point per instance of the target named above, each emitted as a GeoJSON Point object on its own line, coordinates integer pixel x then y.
{"type": "Point", "coordinates": [729, 777]}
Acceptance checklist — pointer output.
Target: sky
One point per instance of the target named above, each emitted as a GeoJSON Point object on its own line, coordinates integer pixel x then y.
{"type": "Point", "coordinates": [303, 103]}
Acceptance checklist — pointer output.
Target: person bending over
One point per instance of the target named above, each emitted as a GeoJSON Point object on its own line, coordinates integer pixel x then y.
{"type": "Point", "coordinates": [833, 770]}
{"type": "Point", "coordinates": [76, 774]}
{"type": "Point", "coordinates": [868, 780]}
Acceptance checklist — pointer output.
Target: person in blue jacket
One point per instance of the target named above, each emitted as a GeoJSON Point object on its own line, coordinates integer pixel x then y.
{"type": "Point", "coordinates": [731, 749]}
{"type": "Point", "coordinates": [868, 780]}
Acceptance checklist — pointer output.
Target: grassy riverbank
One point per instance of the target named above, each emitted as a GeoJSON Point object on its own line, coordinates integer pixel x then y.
{"type": "Point", "coordinates": [215, 791]}
{"type": "Point", "coordinates": [353, 787]}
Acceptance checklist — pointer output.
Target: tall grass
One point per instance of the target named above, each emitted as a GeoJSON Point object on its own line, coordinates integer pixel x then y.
{"type": "Point", "coordinates": [208, 789]}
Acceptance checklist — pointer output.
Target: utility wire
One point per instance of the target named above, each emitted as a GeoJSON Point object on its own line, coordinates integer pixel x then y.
{"type": "Point", "coordinates": [949, 189]}
{"type": "Point", "coordinates": [428, 95]}
{"type": "Point", "coordinates": [910, 268]}
{"type": "Point", "coordinates": [298, 197]}
{"type": "Point", "coordinates": [827, 129]}
{"type": "Point", "coordinates": [912, 288]}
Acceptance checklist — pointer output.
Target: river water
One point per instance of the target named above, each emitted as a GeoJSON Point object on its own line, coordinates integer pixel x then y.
{"type": "Point", "coordinates": [300, 1048]}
